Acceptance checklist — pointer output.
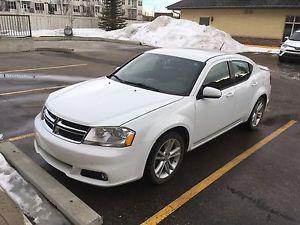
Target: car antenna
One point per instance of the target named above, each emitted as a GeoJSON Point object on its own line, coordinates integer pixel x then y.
{"type": "Point", "coordinates": [222, 46]}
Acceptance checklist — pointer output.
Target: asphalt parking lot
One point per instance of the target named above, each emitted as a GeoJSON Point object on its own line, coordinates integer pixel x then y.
{"type": "Point", "coordinates": [261, 189]}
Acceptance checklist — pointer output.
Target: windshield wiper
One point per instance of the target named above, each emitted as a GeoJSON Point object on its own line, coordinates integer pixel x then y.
{"type": "Point", "coordinates": [141, 85]}
{"type": "Point", "coordinates": [118, 78]}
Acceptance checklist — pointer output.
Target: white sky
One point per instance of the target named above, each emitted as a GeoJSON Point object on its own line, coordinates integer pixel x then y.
{"type": "Point", "coordinates": [150, 6]}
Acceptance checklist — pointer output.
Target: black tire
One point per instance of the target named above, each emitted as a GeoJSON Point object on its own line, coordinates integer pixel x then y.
{"type": "Point", "coordinates": [152, 159]}
{"type": "Point", "coordinates": [282, 59]}
{"type": "Point", "coordinates": [250, 124]}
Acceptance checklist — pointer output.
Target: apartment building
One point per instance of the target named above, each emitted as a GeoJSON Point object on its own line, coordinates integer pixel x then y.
{"type": "Point", "coordinates": [132, 9]}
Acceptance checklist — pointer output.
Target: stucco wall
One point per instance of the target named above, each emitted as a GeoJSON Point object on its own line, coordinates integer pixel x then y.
{"type": "Point", "coordinates": [262, 23]}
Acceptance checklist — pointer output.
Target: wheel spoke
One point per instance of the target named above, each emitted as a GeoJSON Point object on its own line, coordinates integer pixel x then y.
{"type": "Point", "coordinates": [167, 168]}
{"type": "Point", "coordinates": [158, 168]}
{"type": "Point", "coordinates": [175, 151]}
{"type": "Point", "coordinates": [175, 155]}
{"type": "Point", "coordinates": [160, 153]}
{"type": "Point", "coordinates": [170, 165]}
{"type": "Point", "coordinates": [169, 145]}
{"type": "Point", "coordinates": [159, 158]}
{"type": "Point", "coordinates": [161, 169]}
{"type": "Point", "coordinates": [259, 107]}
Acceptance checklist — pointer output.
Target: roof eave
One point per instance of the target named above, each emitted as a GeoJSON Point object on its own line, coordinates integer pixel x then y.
{"type": "Point", "coordinates": [234, 7]}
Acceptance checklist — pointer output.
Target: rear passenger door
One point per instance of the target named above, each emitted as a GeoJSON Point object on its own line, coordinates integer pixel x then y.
{"type": "Point", "coordinates": [245, 86]}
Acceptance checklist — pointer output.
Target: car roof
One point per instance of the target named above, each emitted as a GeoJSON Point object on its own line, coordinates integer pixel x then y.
{"type": "Point", "coordinates": [193, 54]}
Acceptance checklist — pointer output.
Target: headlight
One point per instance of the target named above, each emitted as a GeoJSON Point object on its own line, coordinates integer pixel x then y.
{"type": "Point", "coordinates": [110, 136]}
{"type": "Point", "coordinates": [285, 46]}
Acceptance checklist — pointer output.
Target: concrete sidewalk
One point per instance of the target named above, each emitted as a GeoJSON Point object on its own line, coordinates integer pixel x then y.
{"type": "Point", "coordinates": [10, 214]}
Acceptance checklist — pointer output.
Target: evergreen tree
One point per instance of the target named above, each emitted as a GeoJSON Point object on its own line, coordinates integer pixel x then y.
{"type": "Point", "coordinates": [112, 17]}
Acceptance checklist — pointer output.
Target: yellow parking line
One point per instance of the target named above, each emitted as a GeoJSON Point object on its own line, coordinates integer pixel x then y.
{"type": "Point", "coordinates": [177, 203]}
{"type": "Point", "coordinates": [32, 90]}
{"type": "Point", "coordinates": [43, 68]}
{"type": "Point", "coordinates": [21, 137]}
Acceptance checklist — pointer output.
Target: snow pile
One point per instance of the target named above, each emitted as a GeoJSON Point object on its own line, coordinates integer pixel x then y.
{"type": "Point", "coordinates": [26, 197]}
{"type": "Point", "coordinates": [165, 32]}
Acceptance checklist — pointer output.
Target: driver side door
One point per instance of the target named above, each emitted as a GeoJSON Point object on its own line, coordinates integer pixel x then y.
{"type": "Point", "coordinates": [215, 115]}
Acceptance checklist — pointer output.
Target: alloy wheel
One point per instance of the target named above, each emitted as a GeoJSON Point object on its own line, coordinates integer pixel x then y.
{"type": "Point", "coordinates": [258, 113]}
{"type": "Point", "coordinates": [167, 158]}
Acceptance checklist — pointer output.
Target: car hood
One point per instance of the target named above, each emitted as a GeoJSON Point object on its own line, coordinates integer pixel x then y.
{"type": "Point", "coordinates": [104, 102]}
{"type": "Point", "coordinates": [293, 43]}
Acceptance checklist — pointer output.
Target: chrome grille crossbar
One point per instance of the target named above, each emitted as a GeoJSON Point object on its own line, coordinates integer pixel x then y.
{"type": "Point", "coordinates": [64, 129]}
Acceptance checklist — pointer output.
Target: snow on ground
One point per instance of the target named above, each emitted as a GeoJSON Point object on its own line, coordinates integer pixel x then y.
{"type": "Point", "coordinates": [27, 198]}
{"type": "Point", "coordinates": [166, 32]}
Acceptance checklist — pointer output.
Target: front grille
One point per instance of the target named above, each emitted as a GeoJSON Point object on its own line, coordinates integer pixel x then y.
{"type": "Point", "coordinates": [296, 51]}
{"type": "Point", "coordinates": [65, 129]}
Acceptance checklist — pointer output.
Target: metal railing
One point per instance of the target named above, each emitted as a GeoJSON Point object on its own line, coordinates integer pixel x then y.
{"type": "Point", "coordinates": [15, 25]}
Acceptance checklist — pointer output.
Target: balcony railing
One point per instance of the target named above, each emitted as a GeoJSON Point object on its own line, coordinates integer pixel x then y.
{"type": "Point", "coordinates": [15, 25]}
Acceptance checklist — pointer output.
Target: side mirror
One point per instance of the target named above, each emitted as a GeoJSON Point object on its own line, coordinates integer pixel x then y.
{"type": "Point", "coordinates": [117, 68]}
{"type": "Point", "coordinates": [209, 92]}
{"type": "Point", "coordinates": [286, 38]}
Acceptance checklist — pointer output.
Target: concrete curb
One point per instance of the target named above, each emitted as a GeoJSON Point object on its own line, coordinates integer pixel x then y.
{"type": "Point", "coordinates": [49, 38]}
{"type": "Point", "coordinates": [70, 205]}
{"type": "Point", "coordinates": [66, 50]}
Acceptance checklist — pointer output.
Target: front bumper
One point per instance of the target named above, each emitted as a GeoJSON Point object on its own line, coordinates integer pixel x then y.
{"type": "Point", "coordinates": [120, 165]}
{"type": "Point", "coordinates": [290, 52]}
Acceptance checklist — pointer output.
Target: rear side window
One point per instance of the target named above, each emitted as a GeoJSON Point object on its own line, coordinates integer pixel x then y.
{"type": "Point", "coordinates": [241, 70]}
{"type": "Point", "coordinates": [218, 76]}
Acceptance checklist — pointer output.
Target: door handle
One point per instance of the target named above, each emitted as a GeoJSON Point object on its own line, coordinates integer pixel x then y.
{"type": "Point", "coordinates": [230, 94]}
{"type": "Point", "coordinates": [254, 83]}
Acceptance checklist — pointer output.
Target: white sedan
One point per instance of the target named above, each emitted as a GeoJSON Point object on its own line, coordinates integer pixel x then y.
{"type": "Point", "coordinates": [142, 119]}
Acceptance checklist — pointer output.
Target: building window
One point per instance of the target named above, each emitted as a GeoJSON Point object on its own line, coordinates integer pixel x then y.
{"type": "Point", "coordinates": [123, 12]}
{"type": "Point", "coordinates": [123, 2]}
{"type": "Point", "coordinates": [11, 5]}
{"type": "Point", "coordinates": [204, 21]}
{"type": "Point", "coordinates": [76, 9]}
{"type": "Point", "coordinates": [292, 24]}
{"type": "Point", "coordinates": [128, 2]}
{"type": "Point", "coordinates": [25, 6]}
{"type": "Point", "coordinates": [52, 8]}
{"type": "Point", "coordinates": [140, 12]}
{"type": "Point", "coordinates": [39, 6]}
{"type": "Point", "coordinates": [140, 3]}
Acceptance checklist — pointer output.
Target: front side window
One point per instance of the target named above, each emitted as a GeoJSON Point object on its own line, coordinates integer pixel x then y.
{"type": "Point", "coordinates": [218, 77]}
{"type": "Point", "coordinates": [241, 70]}
{"type": "Point", "coordinates": [161, 73]}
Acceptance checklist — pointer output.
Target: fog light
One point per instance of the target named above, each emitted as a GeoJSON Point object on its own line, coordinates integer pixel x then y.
{"type": "Point", "coordinates": [94, 175]}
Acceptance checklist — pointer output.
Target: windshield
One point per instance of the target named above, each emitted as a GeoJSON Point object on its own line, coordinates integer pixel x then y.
{"type": "Point", "coordinates": [295, 36]}
{"type": "Point", "coordinates": [161, 73]}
